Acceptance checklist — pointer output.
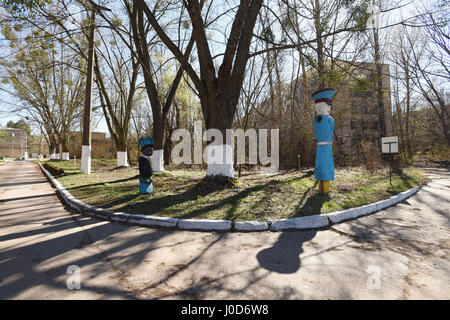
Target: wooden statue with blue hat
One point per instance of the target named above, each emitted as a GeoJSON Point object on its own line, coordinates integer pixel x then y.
{"type": "Point", "coordinates": [324, 127]}
{"type": "Point", "coordinates": [145, 167]}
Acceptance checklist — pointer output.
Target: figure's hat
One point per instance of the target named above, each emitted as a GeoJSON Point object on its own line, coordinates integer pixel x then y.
{"type": "Point", "coordinates": [323, 95]}
{"type": "Point", "coordinates": [145, 141]}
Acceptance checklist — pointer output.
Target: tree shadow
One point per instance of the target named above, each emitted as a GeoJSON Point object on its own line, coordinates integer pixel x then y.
{"type": "Point", "coordinates": [232, 200]}
{"type": "Point", "coordinates": [130, 200]}
{"type": "Point", "coordinates": [20, 263]}
{"type": "Point", "coordinates": [103, 183]}
{"type": "Point", "coordinates": [267, 188]}
{"type": "Point", "coordinates": [155, 205]}
{"type": "Point", "coordinates": [313, 203]}
{"type": "Point", "coordinates": [11, 184]}
{"type": "Point", "coordinates": [110, 249]}
{"type": "Point", "coordinates": [200, 190]}
{"type": "Point", "coordinates": [27, 197]}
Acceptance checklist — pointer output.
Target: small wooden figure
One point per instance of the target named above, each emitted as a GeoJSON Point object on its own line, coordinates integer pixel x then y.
{"type": "Point", "coordinates": [145, 167]}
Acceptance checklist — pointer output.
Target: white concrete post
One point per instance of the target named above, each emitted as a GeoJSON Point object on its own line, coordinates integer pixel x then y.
{"type": "Point", "coordinates": [220, 160]}
{"type": "Point", "coordinates": [122, 160]}
{"type": "Point", "coordinates": [157, 160]}
{"type": "Point", "coordinates": [86, 159]}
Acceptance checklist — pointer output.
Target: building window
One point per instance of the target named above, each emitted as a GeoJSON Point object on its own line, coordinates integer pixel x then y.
{"type": "Point", "coordinates": [364, 109]}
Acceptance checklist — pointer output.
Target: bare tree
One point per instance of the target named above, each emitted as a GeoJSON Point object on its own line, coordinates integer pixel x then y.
{"type": "Point", "coordinates": [41, 76]}
{"type": "Point", "coordinates": [430, 62]}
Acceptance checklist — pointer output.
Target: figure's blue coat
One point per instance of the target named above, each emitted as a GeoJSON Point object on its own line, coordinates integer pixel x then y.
{"type": "Point", "coordinates": [145, 188]}
{"type": "Point", "coordinates": [324, 169]}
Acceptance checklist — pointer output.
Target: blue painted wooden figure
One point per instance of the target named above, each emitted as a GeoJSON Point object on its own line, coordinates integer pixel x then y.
{"type": "Point", "coordinates": [324, 127]}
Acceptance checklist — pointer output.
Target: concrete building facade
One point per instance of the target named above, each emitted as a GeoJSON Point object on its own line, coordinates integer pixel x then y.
{"type": "Point", "coordinates": [13, 143]}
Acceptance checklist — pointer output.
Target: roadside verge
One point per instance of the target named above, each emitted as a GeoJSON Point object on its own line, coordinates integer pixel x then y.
{"type": "Point", "coordinates": [320, 221]}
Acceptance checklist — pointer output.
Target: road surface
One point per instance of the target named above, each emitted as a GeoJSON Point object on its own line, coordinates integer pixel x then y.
{"type": "Point", "coordinates": [399, 253]}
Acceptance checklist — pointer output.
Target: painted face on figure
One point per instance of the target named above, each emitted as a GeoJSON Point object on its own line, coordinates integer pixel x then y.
{"type": "Point", "coordinates": [147, 151]}
{"type": "Point", "coordinates": [322, 109]}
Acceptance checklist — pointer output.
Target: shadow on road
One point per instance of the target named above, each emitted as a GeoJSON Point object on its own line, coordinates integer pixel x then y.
{"type": "Point", "coordinates": [284, 256]}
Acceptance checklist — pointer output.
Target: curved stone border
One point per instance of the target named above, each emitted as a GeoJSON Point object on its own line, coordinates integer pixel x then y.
{"type": "Point", "coordinates": [320, 221]}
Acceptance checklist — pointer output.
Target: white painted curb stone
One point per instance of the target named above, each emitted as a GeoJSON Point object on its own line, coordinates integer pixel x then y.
{"type": "Point", "coordinates": [103, 213]}
{"type": "Point", "coordinates": [309, 222]}
{"type": "Point", "coordinates": [153, 221]}
{"type": "Point", "coordinates": [353, 213]}
{"type": "Point", "coordinates": [339, 216]}
{"type": "Point", "coordinates": [206, 225]}
{"type": "Point", "coordinates": [251, 226]}
{"type": "Point", "coordinates": [120, 216]}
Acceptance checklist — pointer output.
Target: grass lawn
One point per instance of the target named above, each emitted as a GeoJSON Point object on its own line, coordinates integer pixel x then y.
{"type": "Point", "coordinates": [185, 194]}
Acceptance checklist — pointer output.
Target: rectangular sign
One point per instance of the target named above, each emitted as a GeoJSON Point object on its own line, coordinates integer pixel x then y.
{"type": "Point", "coordinates": [389, 144]}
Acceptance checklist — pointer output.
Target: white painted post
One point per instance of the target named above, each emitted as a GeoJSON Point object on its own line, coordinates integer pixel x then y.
{"type": "Point", "coordinates": [220, 160]}
{"type": "Point", "coordinates": [86, 159]}
{"type": "Point", "coordinates": [122, 160]}
{"type": "Point", "coordinates": [157, 160]}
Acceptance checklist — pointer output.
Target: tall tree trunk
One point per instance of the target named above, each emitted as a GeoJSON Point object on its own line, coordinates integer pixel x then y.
{"type": "Point", "coordinates": [87, 118]}
{"type": "Point", "coordinates": [272, 91]}
{"type": "Point", "coordinates": [408, 111]}
{"type": "Point", "coordinates": [379, 85]}
{"type": "Point", "coordinates": [400, 123]}
{"type": "Point", "coordinates": [279, 91]}
{"type": "Point", "coordinates": [320, 57]}
{"type": "Point", "coordinates": [291, 137]}
{"type": "Point", "coordinates": [159, 109]}
{"type": "Point", "coordinates": [399, 111]}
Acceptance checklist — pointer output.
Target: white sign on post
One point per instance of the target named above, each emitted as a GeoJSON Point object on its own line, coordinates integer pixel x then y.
{"type": "Point", "coordinates": [389, 144]}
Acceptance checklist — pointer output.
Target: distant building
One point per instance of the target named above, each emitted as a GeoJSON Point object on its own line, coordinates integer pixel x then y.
{"type": "Point", "coordinates": [102, 147]}
{"type": "Point", "coordinates": [13, 143]}
{"type": "Point", "coordinates": [359, 118]}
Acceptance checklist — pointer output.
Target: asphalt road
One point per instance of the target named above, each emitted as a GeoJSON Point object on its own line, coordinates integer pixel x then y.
{"type": "Point", "coordinates": [399, 253]}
